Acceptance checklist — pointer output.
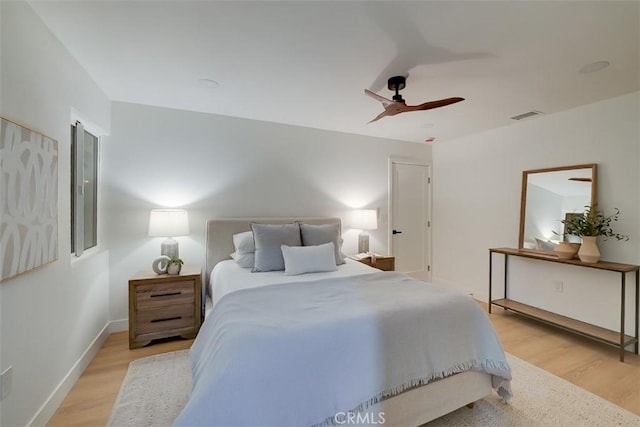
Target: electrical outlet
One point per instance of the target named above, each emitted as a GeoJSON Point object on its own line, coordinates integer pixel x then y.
{"type": "Point", "coordinates": [6, 381]}
{"type": "Point", "coordinates": [558, 286]}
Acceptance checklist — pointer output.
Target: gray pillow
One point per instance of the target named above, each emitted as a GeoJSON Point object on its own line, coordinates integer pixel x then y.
{"type": "Point", "coordinates": [313, 235]}
{"type": "Point", "coordinates": [268, 240]}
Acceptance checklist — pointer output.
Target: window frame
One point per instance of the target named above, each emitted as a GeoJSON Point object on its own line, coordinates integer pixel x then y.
{"type": "Point", "coordinates": [78, 190]}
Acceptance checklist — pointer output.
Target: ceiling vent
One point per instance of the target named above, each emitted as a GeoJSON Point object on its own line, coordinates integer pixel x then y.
{"type": "Point", "coordinates": [527, 115]}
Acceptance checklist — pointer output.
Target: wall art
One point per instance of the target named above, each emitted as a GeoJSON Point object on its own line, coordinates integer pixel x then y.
{"type": "Point", "coordinates": [29, 199]}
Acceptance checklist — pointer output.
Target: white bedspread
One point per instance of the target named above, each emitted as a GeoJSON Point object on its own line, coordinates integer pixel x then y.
{"type": "Point", "coordinates": [227, 276]}
{"type": "Point", "coordinates": [296, 354]}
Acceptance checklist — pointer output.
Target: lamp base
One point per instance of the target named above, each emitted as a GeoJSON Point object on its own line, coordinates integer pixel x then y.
{"type": "Point", "coordinates": [363, 243]}
{"type": "Point", "coordinates": [169, 247]}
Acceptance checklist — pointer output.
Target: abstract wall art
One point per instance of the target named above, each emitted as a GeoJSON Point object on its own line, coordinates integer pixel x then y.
{"type": "Point", "coordinates": [28, 199]}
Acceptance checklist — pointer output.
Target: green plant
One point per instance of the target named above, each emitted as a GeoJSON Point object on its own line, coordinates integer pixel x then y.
{"type": "Point", "coordinates": [593, 222]}
{"type": "Point", "coordinates": [174, 260]}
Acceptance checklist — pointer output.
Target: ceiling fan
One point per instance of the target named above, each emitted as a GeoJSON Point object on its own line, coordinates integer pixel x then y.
{"type": "Point", "coordinates": [397, 105]}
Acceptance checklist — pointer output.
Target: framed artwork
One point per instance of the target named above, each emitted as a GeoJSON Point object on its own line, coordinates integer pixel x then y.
{"type": "Point", "coordinates": [28, 199]}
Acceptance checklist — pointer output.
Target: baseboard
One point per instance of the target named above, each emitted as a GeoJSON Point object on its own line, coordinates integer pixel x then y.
{"type": "Point", "coordinates": [55, 399]}
{"type": "Point", "coordinates": [481, 296]}
{"type": "Point", "coordinates": [118, 325]}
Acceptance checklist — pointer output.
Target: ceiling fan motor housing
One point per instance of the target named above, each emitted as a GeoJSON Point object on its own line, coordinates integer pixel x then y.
{"type": "Point", "coordinates": [397, 83]}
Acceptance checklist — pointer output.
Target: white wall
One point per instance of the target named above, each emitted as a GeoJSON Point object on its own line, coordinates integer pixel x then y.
{"type": "Point", "coordinates": [477, 183]}
{"type": "Point", "coordinates": [50, 316]}
{"type": "Point", "coordinates": [217, 166]}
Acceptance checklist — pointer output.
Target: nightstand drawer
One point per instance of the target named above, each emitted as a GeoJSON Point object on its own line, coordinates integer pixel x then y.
{"type": "Point", "coordinates": [385, 263]}
{"type": "Point", "coordinates": [164, 318]}
{"type": "Point", "coordinates": [162, 294]}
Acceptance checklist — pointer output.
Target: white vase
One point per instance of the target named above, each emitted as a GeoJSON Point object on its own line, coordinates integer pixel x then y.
{"type": "Point", "coordinates": [589, 250]}
{"type": "Point", "coordinates": [159, 265]}
{"type": "Point", "coordinates": [174, 268]}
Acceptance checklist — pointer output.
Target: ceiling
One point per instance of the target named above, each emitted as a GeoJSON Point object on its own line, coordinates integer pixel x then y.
{"type": "Point", "coordinates": [307, 63]}
{"type": "Point", "coordinates": [564, 183]}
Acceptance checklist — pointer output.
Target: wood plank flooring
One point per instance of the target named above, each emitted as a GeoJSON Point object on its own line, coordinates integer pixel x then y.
{"type": "Point", "coordinates": [587, 364]}
{"type": "Point", "coordinates": [91, 399]}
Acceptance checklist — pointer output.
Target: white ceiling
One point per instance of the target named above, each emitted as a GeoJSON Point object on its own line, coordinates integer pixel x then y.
{"type": "Point", "coordinates": [560, 182]}
{"type": "Point", "coordinates": [306, 63]}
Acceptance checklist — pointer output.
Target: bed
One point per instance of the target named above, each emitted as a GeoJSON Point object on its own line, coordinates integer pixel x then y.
{"type": "Point", "coordinates": [296, 377]}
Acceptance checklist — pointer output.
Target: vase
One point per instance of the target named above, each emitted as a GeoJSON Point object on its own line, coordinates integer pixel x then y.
{"type": "Point", "coordinates": [566, 250]}
{"type": "Point", "coordinates": [159, 265]}
{"type": "Point", "coordinates": [174, 268]}
{"type": "Point", "coordinates": [589, 250]}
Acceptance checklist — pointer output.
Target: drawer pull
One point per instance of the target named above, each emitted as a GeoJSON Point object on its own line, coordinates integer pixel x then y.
{"type": "Point", "coordinates": [167, 319]}
{"type": "Point", "coordinates": [168, 294]}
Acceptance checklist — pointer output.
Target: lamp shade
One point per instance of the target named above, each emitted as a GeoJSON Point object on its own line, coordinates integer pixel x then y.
{"type": "Point", "coordinates": [365, 219]}
{"type": "Point", "coordinates": [168, 223]}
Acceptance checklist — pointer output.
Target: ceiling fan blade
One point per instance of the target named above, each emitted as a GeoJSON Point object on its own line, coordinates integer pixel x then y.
{"type": "Point", "coordinates": [379, 116]}
{"type": "Point", "coordinates": [377, 97]}
{"type": "Point", "coordinates": [436, 104]}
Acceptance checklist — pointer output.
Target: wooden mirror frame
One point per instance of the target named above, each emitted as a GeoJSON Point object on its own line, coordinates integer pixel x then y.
{"type": "Point", "coordinates": [523, 200]}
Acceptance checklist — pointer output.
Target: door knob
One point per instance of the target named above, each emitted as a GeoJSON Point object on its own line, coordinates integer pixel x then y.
{"type": "Point", "coordinates": [396, 232]}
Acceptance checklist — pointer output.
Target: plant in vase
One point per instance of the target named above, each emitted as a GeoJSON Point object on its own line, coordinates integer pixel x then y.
{"type": "Point", "coordinates": [174, 265]}
{"type": "Point", "coordinates": [589, 226]}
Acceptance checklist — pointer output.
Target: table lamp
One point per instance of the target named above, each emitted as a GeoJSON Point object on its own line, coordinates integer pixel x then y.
{"type": "Point", "coordinates": [169, 223]}
{"type": "Point", "coordinates": [364, 219]}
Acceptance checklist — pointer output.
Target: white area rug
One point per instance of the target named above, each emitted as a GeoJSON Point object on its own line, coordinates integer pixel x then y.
{"type": "Point", "coordinates": [156, 389]}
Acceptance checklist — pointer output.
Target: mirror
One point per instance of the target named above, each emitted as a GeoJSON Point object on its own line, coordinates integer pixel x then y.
{"type": "Point", "coordinates": [548, 196]}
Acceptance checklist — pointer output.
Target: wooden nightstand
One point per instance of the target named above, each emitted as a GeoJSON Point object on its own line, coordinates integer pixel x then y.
{"type": "Point", "coordinates": [385, 263]}
{"type": "Point", "coordinates": [164, 305]}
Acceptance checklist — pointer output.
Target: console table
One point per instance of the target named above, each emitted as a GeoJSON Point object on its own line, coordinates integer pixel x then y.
{"type": "Point", "coordinates": [615, 338]}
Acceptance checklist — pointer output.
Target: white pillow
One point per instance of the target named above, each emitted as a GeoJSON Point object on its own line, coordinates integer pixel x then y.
{"type": "Point", "coordinates": [245, 249]}
{"type": "Point", "coordinates": [545, 246]}
{"type": "Point", "coordinates": [243, 243]}
{"type": "Point", "coordinates": [244, 260]}
{"type": "Point", "coordinates": [308, 259]}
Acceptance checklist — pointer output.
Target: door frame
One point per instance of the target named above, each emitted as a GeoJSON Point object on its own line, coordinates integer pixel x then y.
{"type": "Point", "coordinates": [429, 196]}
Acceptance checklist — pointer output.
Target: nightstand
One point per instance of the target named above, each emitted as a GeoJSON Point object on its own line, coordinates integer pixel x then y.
{"type": "Point", "coordinates": [385, 263]}
{"type": "Point", "coordinates": [164, 305]}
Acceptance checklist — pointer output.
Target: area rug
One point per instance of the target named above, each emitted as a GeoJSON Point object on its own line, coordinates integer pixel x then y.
{"type": "Point", "coordinates": [156, 389]}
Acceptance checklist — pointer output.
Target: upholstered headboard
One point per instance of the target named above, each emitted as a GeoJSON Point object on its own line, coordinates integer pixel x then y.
{"type": "Point", "coordinates": [220, 231]}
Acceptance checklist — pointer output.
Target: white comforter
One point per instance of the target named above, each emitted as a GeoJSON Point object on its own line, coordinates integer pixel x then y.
{"type": "Point", "coordinates": [227, 276]}
{"type": "Point", "coordinates": [296, 354]}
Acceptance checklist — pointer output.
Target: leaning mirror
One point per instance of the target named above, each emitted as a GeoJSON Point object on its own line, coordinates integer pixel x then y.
{"type": "Point", "coordinates": [549, 196]}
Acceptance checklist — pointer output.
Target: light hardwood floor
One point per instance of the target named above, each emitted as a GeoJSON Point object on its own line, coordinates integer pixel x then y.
{"type": "Point", "coordinates": [590, 365]}
{"type": "Point", "coordinates": [90, 400]}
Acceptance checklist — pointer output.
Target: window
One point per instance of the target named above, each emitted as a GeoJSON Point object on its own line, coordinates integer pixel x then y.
{"type": "Point", "coordinates": [84, 189]}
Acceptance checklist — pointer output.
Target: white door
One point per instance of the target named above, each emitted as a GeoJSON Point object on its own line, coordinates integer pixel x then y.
{"type": "Point", "coordinates": [410, 222]}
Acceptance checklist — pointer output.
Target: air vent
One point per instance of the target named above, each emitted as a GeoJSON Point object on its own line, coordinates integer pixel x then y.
{"type": "Point", "coordinates": [527, 115]}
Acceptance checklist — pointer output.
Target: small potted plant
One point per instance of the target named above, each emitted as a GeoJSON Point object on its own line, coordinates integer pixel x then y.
{"type": "Point", "coordinates": [589, 226]}
{"type": "Point", "coordinates": [174, 265]}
